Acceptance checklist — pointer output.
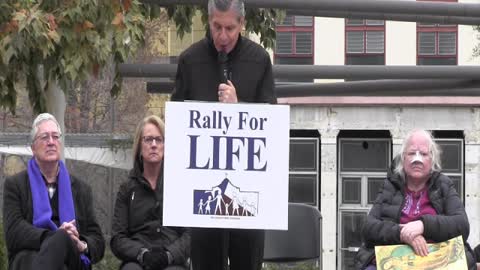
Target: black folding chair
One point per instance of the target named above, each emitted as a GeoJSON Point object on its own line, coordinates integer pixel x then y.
{"type": "Point", "coordinates": [301, 242]}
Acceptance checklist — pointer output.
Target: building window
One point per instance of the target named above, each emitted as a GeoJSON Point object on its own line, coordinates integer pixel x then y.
{"type": "Point", "coordinates": [363, 161]}
{"type": "Point", "coordinates": [294, 42]}
{"type": "Point", "coordinates": [437, 43]}
{"type": "Point", "coordinates": [452, 157]}
{"type": "Point", "coordinates": [304, 173]}
{"type": "Point", "coordinates": [364, 42]}
{"type": "Point", "coordinates": [452, 161]}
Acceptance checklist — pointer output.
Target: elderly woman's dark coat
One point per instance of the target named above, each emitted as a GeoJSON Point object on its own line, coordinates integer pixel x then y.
{"type": "Point", "coordinates": [382, 225]}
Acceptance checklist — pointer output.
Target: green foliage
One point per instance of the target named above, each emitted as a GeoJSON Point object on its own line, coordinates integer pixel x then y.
{"type": "Point", "coordinates": [43, 42]}
{"type": "Point", "coordinates": [3, 250]}
{"type": "Point", "coordinates": [182, 16]}
{"type": "Point", "coordinates": [260, 21]}
{"type": "Point", "coordinates": [306, 265]}
{"type": "Point", "coordinates": [109, 262]}
{"type": "Point", "coordinates": [64, 41]}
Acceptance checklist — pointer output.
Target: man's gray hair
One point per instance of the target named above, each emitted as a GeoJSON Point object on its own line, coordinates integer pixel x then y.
{"type": "Point", "coordinates": [225, 5]}
{"type": "Point", "coordinates": [433, 148]}
{"type": "Point", "coordinates": [42, 118]}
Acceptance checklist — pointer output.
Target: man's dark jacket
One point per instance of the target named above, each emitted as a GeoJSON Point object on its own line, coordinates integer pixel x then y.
{"type": "Point", "coordinates": [382, 225]}
{"type": "Point", "coordinates": [198, 73]}
{"type": "Point", "coordinates": [137, 222]}
{"type": "Point", "coordinates": [20, 234]}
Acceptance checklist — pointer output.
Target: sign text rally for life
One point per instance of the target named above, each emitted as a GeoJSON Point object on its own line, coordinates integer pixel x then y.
{"type": "Point", "coordinates": [241, 147]}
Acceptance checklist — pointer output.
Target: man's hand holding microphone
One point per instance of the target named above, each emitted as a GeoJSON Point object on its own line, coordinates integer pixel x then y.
{"type": "Point", "coordinates": [226, 90]}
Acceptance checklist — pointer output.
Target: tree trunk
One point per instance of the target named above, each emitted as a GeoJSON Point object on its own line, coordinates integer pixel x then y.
{"type": "Point", "coordinates": [4, 121]}
{"type": "Point", "coordinates": [84, 106]}
{"type": "Point", "coordinates": [56, 105]}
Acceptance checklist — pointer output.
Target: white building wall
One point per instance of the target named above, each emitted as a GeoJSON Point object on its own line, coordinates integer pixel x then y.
{"type": "Point", "coordinates": [329, 42]}
{"type": "Point", "coordinates": [467, 39]}
{"type": "Point", "coordinates": [469, 1]}
{"type": "Point", "coordinates": [400, 43]}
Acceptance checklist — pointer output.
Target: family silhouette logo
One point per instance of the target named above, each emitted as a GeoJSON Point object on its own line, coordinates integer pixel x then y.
{"type": "Point", "coordinates": [225, 199]}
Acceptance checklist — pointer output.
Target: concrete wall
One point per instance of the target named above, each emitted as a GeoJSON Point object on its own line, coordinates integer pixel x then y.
{"type": "Point", "coordinates": [329, 120]}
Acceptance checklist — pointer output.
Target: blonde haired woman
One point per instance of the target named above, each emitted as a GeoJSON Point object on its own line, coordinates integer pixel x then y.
{"type": "Point", "coordinates": [139, 238]}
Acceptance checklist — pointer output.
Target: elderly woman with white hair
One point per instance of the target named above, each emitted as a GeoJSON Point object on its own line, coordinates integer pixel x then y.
{"type": "Point", "coordinates": [417, 204]}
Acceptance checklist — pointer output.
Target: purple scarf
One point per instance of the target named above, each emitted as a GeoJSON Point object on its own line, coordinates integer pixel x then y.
{"type": "Point", "coordinates": [42, 211]}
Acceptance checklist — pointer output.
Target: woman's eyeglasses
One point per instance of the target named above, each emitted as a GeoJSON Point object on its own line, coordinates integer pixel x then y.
{"type": "Point", "coordinates": [150, 139]}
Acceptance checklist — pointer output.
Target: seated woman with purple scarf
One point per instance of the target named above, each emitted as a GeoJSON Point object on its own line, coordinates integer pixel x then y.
{"type": "Point", "coordinates": [48, 216]}
{"type": "Point", "coordinates": [416, 205]}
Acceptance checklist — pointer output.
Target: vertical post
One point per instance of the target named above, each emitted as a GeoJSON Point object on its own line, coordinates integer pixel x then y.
{"type": "Point", "coordinates": [329, 182]}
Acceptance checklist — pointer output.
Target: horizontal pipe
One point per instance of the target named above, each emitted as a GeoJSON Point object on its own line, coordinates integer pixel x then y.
{"type": "Point", "coordinates": [383, 88]}
{"type": "Point", "coordinates": [381, 6]}
{"type": "Point", "coordinates": [375, 72]}
{"type": "Point", "coordinates": [443, 87]}
{"type": "Point", "coordinates": [452, 92]}
{"type": "Point", "coordinates": [326, 72]}
{"type": "Point", "coordinates": [160, 87]}
{"type": "Point", "coordinates": [147, 70]}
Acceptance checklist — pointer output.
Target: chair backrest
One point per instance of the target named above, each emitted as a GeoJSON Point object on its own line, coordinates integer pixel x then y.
{"type": "Point", "coordinates": [302, 239]}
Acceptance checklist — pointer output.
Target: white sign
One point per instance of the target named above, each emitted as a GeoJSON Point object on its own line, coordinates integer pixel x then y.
{"type": "Point", "coordinates": [226, 165]}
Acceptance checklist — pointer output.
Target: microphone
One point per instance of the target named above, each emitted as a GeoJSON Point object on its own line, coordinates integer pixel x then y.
{"type": "Point", "coordinates": [222, 59]}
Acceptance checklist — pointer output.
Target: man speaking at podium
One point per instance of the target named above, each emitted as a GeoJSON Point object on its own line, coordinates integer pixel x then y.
{"type": "Point", "coordinates": [225, 67]}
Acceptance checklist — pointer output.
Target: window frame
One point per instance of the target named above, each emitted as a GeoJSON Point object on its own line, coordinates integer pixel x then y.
{"type": "Point", "coordinates": [340, 238]}
{"type": "Point", "coordinates": [294, 29]}
{"type": "Point", "coordinates": [436, 29]}
{"type": "Point", "coordinates": [294, 58]}
{"type": "Point", "coordinates": [365, 27]}
{"type": "Point", "coordinates": [460, 174]}
{"type": "Point", "coordinates": [364, 206]}
{"type": "Point", "coordinates": [308, 171]}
